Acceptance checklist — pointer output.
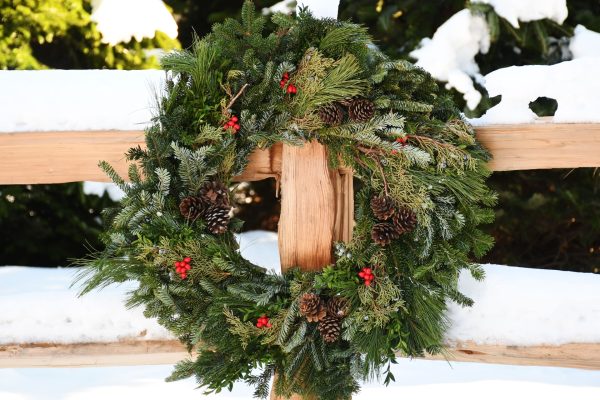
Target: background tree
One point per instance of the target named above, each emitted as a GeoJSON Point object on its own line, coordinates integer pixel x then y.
{"type": "Point", "coordinates": [46, 225]}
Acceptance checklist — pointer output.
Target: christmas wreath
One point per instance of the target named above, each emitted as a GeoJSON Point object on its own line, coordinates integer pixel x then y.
{"type": "Point", "coordinates": [421, 177]}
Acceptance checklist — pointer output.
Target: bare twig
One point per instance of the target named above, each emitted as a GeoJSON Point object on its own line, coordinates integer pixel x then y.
{"type": "Point", "coordinates": [236, 96]}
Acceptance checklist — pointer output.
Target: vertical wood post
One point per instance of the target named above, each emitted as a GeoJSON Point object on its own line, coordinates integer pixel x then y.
{"type": "Point", "coordinates": [316, 209]}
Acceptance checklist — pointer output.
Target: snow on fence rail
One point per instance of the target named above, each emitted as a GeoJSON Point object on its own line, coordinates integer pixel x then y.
{"type": "Point", "coordinates": [520, 317]}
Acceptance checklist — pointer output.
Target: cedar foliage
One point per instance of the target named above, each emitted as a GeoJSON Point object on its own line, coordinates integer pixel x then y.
{"type": "Point", "coordinates": [439, 174]}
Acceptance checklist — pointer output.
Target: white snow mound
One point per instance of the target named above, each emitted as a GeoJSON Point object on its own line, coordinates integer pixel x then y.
{"type": "Point", "coordinates": [573, 84]}
{"type": "Point", "coordinates": [77, 100]}
{"type": "Point", "coordinates": [121, 20]}
{"type": "Point", "coordinates": [515, 306]}
{"type": "Point", "coordinates": [529, 10]}
{"type": "Point", "coordinates": [585, 43]}
{"type": "Point", "coordinates": [449, 55]}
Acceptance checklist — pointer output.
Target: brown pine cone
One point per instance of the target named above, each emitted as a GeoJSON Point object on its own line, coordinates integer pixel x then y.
{"type": "Point", "coordinates": [404, 220]}
{"type": "Point", "coordinates": [383, 207]}
{"type": "Point", "coordinates": [338, 307]}
{"type": "Point", "coordinates": [383, 233]}
{"type": "Point", "coordinates": [361, 110]}
{"type": "Point", "coordinates": [312, 307]}
{"type": "Point", "coordinates": [217, 218]}
{"type": "Point", "coordinates": [331, 114]}
{"type": "Point", "coordinates": [214, 192]}
{"type": "Point", "coordinates": [192, 207]}
{"type": "Point", "coordinates": [330, 329]}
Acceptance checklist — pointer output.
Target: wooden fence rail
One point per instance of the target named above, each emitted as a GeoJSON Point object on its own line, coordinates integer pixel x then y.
{"type": "Point", "coordinates": [57, 157]}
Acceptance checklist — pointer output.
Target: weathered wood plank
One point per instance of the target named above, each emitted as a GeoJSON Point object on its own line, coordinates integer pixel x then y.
{"type": "Point", "coordinates": [57, 157]}
{"type": "Point", "coordinates": [145, 352]}
{"type": "Point", "coordinates": [570, 355]}
{"type": "Point", "coordinates": [132, 352]}
{"type": "Point", "coordinates": [541, 145]}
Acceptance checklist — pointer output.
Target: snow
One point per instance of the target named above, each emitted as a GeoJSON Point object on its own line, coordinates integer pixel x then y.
{"type": "Point", "coordinates": [528, 10]}
{"type": "Point", "coordinates": [573, 84]}
{"type": "Point", "coordinates": [285, 6]}
{"type": "Point", "coordinates": [513, 305]}
{"type": "Point", "coordinates": [60, 100]}
{"type": "Point", "coordinates": [449, 55]}
{"type": "Point", "coordinates": [321, 8]}
{"type": "Point", "coordinates": [99, 188]}
{"type": "Point", "coordinates": [421, 379]}
{"type": "Point", "coordinates": [517, 306]}
{"type": "Point", "coordinates": [121, 20]}
{"type": "Point", "coordinates": [524, 306]}
{"type": "Point", "coordinates": [585, 43]}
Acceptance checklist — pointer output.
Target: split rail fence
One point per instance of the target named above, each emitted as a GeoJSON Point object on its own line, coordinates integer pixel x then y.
{"type": "Point", "coordinates": [316, 204]}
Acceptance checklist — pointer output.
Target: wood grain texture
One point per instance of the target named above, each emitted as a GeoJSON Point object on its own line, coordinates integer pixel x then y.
{"type": "Point", "coordinates": [541, 145]}
{"type": "Point", "coordinates": [151, 352]}
{"type": "Point", "coordinates": [570, 355]}
{"type": "Point", "coordinates": [58, 157]}
{"type": "Point", "coordinates": [132, 352]}
{"type": "Point", "coordinates": [307, 218]}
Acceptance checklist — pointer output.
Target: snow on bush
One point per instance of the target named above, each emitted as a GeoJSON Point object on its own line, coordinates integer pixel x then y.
{"type": "Point", "coordinates": [450, 55]}
{"type": "Point", "coordinates": [120, 20]}
{"type": "Point", "coordinates": [529, 10]}
{"type": "Point", "coordinates": [573, 84]}
{"type": "Point", "coordinates": [585, 43]}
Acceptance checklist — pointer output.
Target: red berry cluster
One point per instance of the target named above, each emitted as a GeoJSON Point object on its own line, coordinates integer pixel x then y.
{"type": "Point", "coordinates": [232, 124]}
{"type": "Point", "coordinates": [291, 88]}
{"type": "Point", "coordinates": [263, 322]}
{"type": "Point", "coordinates": [284, 79]}
{"type": "Point", "coordinates": [367, 275]}
{"type": "Point", "coordinates": [402, 140]}
{"type": "Point", "coordinates": [182, 267]}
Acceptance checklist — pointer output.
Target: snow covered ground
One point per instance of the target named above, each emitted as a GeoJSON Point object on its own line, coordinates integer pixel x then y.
{"type": "Point", "coordinates": [517, 306]}
{"type": "Point", "coordinates": [521, 305]}
{"type": "Point", "coordinates": [415, 379]}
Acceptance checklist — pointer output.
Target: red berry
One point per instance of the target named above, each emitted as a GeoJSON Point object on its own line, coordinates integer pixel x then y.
{"type": "Point", "coordinates": [187, 260]}
{"type": "Point", "coordinates": [367, 283]}
{"type": "Point", "coordinates": [367, 270]}
{"type": "Point", "coordinates": [234, 118]}
{"type": "Point", "coordinates": [361, 274]}
{"type": "Point", "coordinates": [236, 127]}
{"type": "Point", "coordinates": [294, 89]}
{"type": "Point", "coordinates": [286, 75]}
{"type": "Point", "coordinates": [188, 267]}
{"type": "Point", "coordinates": [290, 89]}
{"type": "Point", "coordinates": [259, 324]}
{"type": "Point", "coordinates": [268, 324]}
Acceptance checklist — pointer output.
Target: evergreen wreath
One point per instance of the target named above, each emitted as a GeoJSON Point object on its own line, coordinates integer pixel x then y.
{"type": "Point", "coordinates": [422, 195]}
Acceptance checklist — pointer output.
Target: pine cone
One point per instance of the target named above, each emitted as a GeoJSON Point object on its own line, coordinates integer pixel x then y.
{"type": "Point", "coordinates": [383, 233]}
{"type": "Point", "coordinates": [404, 220]}
{"type": "Point", "coordinates": [217, 218]}
{"type": "Point", "coordinates": [214, 192]}
{"type": "Point", "coordinates": [331, 114]}
{"type": "Point", "coordinates": [361, 110]}
{"type": "Point", "coordinates": [312, 307]}
{"type": "Point", "coordinates": [337, 307]}
{"type": "Point", "coordinates": [383, 207]}
{"type": "Point", "coordinates": [192, 207]}
{"type": "Point", "coordinates": [330, 329]}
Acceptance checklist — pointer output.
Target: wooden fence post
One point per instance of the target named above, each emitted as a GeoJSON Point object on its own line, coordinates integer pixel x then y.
{"type": "Point", "coordinates": [316, 209]}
